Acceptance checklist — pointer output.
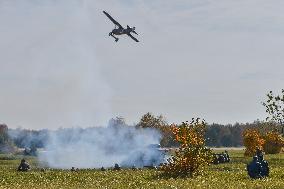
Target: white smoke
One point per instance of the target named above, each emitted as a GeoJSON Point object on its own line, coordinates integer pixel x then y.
{"type": "Point", "coordinates": [97, 147]}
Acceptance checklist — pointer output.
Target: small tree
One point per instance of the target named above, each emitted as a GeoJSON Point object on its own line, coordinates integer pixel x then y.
{"type": "Point", "coordinates": [149, 120]}
{"type": "Point", "coordinates": [192, 154]}
{"type": "Point", "coordinates": [5, 141]}
{"type": "Point", "coordinates": [252, 141]}
{"type": "Point", "coordinates": [168, 137]}
{"type": "Point", "coordinates": [117, 122]}
{"type": "Point", "coordinates": [275, 107]}
{"type": "Point", "coordinates": [273, 142]}
{"type": "Point", "coordinates": [159, 123]}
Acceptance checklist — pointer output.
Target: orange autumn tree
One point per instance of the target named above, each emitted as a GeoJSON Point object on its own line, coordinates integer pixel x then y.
{"type": "Point", "coordinates": [274, 142]}
{"type": "Point", "coordinates": [192, 155]}
{"type": "Point", "coordinates": [252, 141]}
{"type": "Point", "coordinates": [265, 137]}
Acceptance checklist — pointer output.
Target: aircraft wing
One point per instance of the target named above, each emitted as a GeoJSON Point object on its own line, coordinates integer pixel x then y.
{"type": "Point", "coordinates": [133, 37]}
{"type": "Point", "coordinates": [113, 20]}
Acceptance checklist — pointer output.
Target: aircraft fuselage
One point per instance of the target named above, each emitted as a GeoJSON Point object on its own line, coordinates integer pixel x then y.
{"type": "Point", "coordinates": [121, 31]}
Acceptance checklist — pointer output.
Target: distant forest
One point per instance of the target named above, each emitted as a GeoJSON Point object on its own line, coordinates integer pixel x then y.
{"type": "Point", "coordinates": [217, 135]}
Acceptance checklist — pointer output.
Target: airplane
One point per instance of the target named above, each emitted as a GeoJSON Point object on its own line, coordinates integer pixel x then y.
{"type": "Point", "coordinates": [119, 30]}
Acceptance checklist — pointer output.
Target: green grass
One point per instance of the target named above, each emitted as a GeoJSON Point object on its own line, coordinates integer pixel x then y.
{"type": "Point", "coordinates": [230, 175]}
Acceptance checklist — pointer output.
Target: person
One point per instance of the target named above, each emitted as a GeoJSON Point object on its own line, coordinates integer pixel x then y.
{"type": "Point", "coordinates": [116, 167]}
{"type": "Point", "coordinates": [215, 159]}
{"type": "Point", "coordinates": [254, 168]}
{"type": "Point", "coordinates": [264, 166]}
{"type": "Point", "coordinates": [133, 167]}
{"type": "Point", "coordinates": [259, 152]}
{"type": "Point", "coordinates": [24, 166]}
{"type": "Point", "coordinates": [227, 156]}
{"type": "Point", "coordinates": [221, 158]}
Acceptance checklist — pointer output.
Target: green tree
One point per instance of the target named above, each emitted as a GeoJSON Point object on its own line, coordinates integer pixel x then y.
{"type": "Point", "coordinates": [275, 107]}
{"type": "Point", "coordinates": [5, 141]}
{"type": "Point", "coordinates": [117, 122]}
{"type": "Point", "coordinates": [4, 137]}
{"type": "Point", "coordinates": [159, 123]}
{"type": "Point", "coordinates": [149, 120]}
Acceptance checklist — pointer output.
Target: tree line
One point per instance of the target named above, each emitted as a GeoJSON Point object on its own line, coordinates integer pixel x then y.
{"type": "Point", "coordinates": [216, 135]}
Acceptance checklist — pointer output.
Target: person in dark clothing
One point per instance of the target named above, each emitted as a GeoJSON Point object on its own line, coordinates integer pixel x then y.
{"type": "Point", "coordinates": [264, 166]}
{"type": "Point", "coordinates": [259, 153]}
{"type": "Point", "coordinates": [227, 156]}
{"type": "Point", "coordinates": [24, 166]}
{"type": "Point", "coordinates": [215, 159]}
{"type": "Point", "coordinates": [116, 167]}
{"type": "Point", "coordinates": [254, 168]}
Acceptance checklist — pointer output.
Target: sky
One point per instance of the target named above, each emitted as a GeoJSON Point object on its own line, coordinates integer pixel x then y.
{"type": "Point", "coordinates": [196, 58]}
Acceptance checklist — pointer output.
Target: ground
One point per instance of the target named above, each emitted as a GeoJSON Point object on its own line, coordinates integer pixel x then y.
{"type": "Point", "coordinates": [230, 175]}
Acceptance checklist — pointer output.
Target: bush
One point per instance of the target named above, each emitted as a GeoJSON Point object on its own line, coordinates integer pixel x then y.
{"type": "Point", "coordinates": [270, 142]}
{"type": "Point", "coordinates": [252, 141]}
{"type": "Point", "coordinates": [192, 154]}
{"type": "Point", "coordinates": [273, 142]}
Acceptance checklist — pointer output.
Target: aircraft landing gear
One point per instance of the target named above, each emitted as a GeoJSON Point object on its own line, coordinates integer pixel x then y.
{"type": "Point", "coordinates": [111, 34]}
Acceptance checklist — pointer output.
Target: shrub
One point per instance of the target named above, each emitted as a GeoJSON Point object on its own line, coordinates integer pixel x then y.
{"type": "Point", "coordinates": [192, 154]}
{"type": "Point", "coordinates": [252, 141]}
{"type": "Point", "coordinates": [270, 142]}
{"type": "Point", "coordinates": [273, 142]}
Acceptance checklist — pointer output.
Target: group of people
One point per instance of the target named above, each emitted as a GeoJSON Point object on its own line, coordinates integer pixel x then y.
{"type": "Point", "coordinates": [258, 168]}
{"type": "Point", "coordinates": [221, 158]}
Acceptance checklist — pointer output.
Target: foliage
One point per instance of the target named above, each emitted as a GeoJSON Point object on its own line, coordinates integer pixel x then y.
{"type": "Point", "coordinates": [273, 142]}
{"type": "Point", "coordinates": [149, 120]}
{"type": "Point", "coordinates": [252, 141]}
{"type": "Point", "coordinates": [275, 107]}
{"type": "Point", "coordinates": [117, 122]}
{"type": "Point", "coordinates": [5, 141]}
{"type": "Point", "coordinates": [23, 138]}
{"type": "Point", "coordinates": [4, 138]}
{"type": "Point", "coordinates": [218, 135]}
{"type": "Point", "coordinates": [168, 138]}
{"type": "Point", "coordinates": [265, 127]}
{"type": "Point", "coordinates": [192, 154]}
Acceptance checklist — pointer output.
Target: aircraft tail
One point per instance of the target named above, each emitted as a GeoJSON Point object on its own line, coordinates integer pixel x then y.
{"type": "Point", "coordinates": [133, 29]}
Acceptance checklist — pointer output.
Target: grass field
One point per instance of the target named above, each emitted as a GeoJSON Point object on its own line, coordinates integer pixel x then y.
{"type": "Point", "coordinates": [230, 175]}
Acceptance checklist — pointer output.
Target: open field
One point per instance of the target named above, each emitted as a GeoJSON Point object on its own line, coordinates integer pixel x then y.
{"type": "Point", "coordinates": [230, 175]}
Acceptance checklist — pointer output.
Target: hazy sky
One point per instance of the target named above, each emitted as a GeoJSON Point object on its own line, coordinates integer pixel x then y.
{"type": "Point", "coordinates": [215, 59]}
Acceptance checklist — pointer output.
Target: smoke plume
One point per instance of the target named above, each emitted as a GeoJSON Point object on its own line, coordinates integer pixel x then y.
{"type": "Point", "coordinates": [97, 147]}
